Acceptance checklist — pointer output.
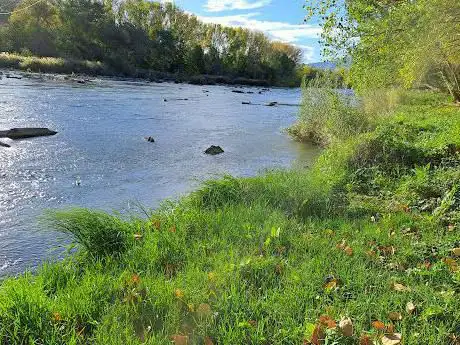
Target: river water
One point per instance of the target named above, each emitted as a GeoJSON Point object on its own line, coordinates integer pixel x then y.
{"type": "Point", "coordinates": [101, 142]}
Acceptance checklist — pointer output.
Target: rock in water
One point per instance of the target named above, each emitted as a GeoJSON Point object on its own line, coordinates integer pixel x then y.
{"type": "Point", "coordinates": [214, 150]}
{"type": "Point", "coordinates": [150, 139]}
{"type": "Point", "coordinates": [23, 133]}
{"type": "Point", "coordinates": [272, 104]}
{"type": "Point", "coordinates": [4, 145]}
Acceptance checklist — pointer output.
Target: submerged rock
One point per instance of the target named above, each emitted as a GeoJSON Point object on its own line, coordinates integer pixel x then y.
{"type": "Point", "coordinates": [4, 144]}
{"type": "Point", "coordinates": [214, 150]}
{"type": "Point", "coordinates": [150, 139]}
{"type": "Point", "coordinates": [23, 133]}
{"type": "Point", "coordinates": [272, 104]}
{"type": "Point", "coordinates": [238, 91]}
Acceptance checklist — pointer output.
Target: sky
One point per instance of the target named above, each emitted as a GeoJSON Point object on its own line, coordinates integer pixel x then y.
{"type": "Point", "coordinates": [281, 20]}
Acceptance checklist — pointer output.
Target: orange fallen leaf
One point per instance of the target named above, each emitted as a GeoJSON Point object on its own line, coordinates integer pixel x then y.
{"type": "Point", "coordinates": [410, 307]}
{"type": "Point", "coordinates": [378, 325]}
{"type": "Point", "coordinates": [179, 293]}
{"type": "Point", "coordinates": [180, 339]}
{"type": "Point", "coordinates": [327, 321]}
{"type": "Point", "coordinates": [401, 288]}
{"type": "Point", "coordinates": [346, 327]}
{"type": "Point", "coordinates": [135, 279]}
{"type": "Point", "coordinates": [395, 316]}
{"type": "Point", "coordinates": [391, 339]}
{"type": "Point", "coordinates": [57, 316]}
{"type": "Point", "coordinates": [348, 250]}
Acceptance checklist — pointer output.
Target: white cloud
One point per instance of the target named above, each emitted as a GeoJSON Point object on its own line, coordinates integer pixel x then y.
{"type": "Point", "coordinates": [308, 53]}
{"type": "Point", "coordinates": [228, 5]}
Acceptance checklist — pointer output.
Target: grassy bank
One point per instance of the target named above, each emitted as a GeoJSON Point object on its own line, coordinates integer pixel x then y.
{"type": "Point", "coordinates": [369, 234]}
{"type": "Point", "coordinates": [95, 68]}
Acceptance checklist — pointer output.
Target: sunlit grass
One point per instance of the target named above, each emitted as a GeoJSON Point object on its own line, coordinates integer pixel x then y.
{"type": "Point", "coordinates": [259, 260]}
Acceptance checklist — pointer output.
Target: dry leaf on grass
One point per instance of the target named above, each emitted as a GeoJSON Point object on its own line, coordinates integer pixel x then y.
{"type": "Point", "coordinates": [456, 251]}
{"type": "Point", "coordinates": [346, 327]}
{"type": "Point", "coordinates": [395, 316]}
{"type": "Point", "coordinates": [410, 308]}
{"type": "Point", "coordinates": [401, 288]}
{"type": "Point", "coordinates": [180, 339]}
{"type": "Point", "coordinates": [378, 325]}
{"type": "Point", "coordinates": [391, 339]}
{"type": "Point", "coordinates": [327, 321]}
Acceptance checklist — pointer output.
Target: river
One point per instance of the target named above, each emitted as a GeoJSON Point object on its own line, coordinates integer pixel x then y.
{"type": "Point", "coordinates": [101, 143]}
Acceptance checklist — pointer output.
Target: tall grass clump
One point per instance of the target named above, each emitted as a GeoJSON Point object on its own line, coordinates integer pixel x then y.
{"type": "Point", "coordinates": [100, 234]}
{"type": "Point", "coordinates": [328, 114]}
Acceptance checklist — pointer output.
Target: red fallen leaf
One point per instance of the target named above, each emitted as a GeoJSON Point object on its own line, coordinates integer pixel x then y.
{"type": "Point", "coordinates": [156, 224]}
{"type": "Point", "coordinates": [135, 279]}
{"type": "Point", "coordinates": [365, 340]}
{"type": "Point", "coordinates": [180, 339]}
{"type": "Point", "coordinates": [317, 336]}
{"type": "Point", "coordinates": [378, 325]}
{"type": "Point", "coordinates": [327, 321]}
{"type": "Point", "coordinates": [208, 341]}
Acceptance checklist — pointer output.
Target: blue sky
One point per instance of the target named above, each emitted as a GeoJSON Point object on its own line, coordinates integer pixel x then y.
{"type": "Point", "coordinates": [279, 19]}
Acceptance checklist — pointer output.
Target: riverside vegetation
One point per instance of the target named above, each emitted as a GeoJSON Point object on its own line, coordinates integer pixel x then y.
{"type": "Point", "coordinates": [363, 248]}
{"type": "Point", "coordinates": [139, 38]}
{"type": "Point", "coordinates": [369, 233]}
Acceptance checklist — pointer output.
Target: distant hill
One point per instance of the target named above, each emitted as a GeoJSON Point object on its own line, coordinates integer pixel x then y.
{"type": "Point", "coordinates": [323, 65]}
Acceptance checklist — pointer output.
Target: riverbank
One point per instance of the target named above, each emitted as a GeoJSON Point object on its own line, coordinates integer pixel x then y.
{"type": "Point", "coordinates": [368, 236]}
{"type": "Point", "coordinates": [95, 69]}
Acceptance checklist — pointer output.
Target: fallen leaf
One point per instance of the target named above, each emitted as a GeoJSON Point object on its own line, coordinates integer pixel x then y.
{"type": "Point", "coordinates": [365, 340]}
{"type": "Point", "coordinates": [378, 325]}
{"type": "Point", "coordinates": [410, 307]}
{"type": "Point", "coordinates": [327, 321]}
{"type": "Point", "coordinates": [391, 339]}
{"type": "Point", "coordinates": [135, 279]}
{"type": "Point", "coordinates": [348, 250]}
{"type": "Point", "coordinates": [371, 253]}
{"type": "Point", "coordinates": [456, 251]}
{"type": "Point", "coordinates": [346, 327]}
{"type": "Point", "coordinates": [386, 250]}
{"type": "Point", "coordinates": [156, 224]}
{"type": "Point", "coordinates": [253, 323]}
{"type": "Point", "coordinates": [451, 227]}
{"type": "Point", "coordinates": [401, 288]}
{"type": "Point", "coordinates": [137, 236]}
{"type": "Point", "coordinates": [180, 339]}
{"type": "Point", "coordinates": [395, 316]}
{"type": "Point", "coordinates": [57, 317]}
{"type": "Point", "coordinates": [331, 285]}
{"type": "Point", "coordinates": [179, 293]}
{"type": "Point", "coordinates": [208, 341]}
{"type": "Point", "coordinates": [453, 265]}
{"type": "Point", "coordinates": [173, 229]}
{"type": "Point", "coordinates": [390, 329]}
{"type": "Point", "coordinates": [317, 336]}
{"type": "Point", "coordinates": [341, 245]}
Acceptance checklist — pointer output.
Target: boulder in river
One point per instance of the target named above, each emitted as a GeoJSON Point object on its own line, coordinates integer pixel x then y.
{"type": "Point", "coordinates": [2, 144]}
{"type": "Point", "coordinates": [150, 139]}
{"type": "Point", "coordinates": [214, 150]}
{"type": "Point", "coordinates": [272, 104]}
{"type": "Point", "coordinates": [23, 133]}
{"type": "Point", "coordinates": [238, 91]}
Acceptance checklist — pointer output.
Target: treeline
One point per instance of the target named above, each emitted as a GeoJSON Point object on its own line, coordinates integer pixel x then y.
{"type": "Point", "coordinates": [138, 34]}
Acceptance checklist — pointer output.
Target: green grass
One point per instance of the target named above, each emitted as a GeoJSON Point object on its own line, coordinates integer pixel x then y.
{"type": "Point", "coordinates": [259, 260]}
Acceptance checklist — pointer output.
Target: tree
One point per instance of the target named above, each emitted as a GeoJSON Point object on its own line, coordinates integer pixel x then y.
{"type": "Point", "coordinates": [394, 42]}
